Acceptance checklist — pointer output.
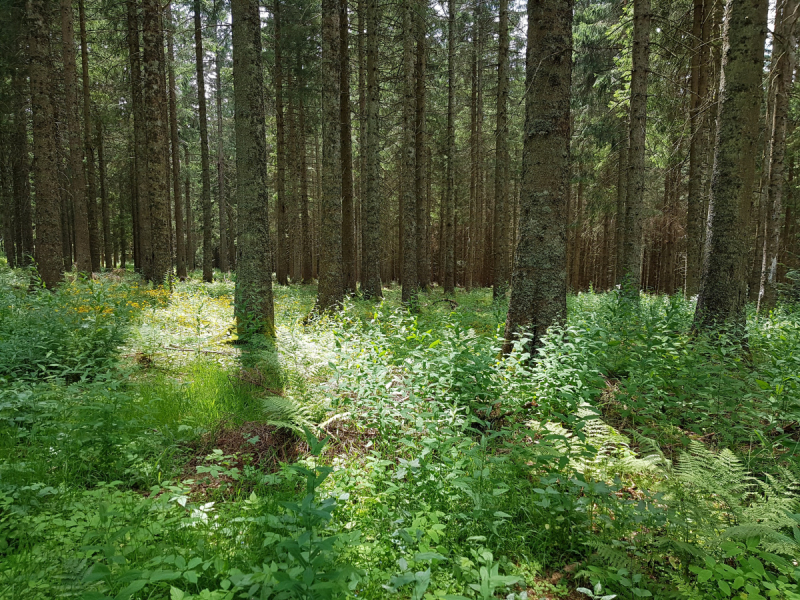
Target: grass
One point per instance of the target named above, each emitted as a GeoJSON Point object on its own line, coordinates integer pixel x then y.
{"type": "Point", "coordinates": [144, 454]}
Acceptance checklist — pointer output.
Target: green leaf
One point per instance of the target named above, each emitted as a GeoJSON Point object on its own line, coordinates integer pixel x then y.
{"type": "Point", "coordinates": [723, 585]}
{"type": "Point", "coordinates": [175, 593]}
{"type": "Point", "coordinates": [704, 575]}
{"type": "Point", "coordinates": [420, 556]}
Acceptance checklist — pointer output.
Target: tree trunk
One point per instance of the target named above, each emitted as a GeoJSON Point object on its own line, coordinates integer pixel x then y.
{"type": "Point", "coordinates": [785, 49]}
{"type": "Point", "coordinates": [45, 167]}
{"type": "Point", "coordinates": [420, 153]}
{"type": "Point", "coordinates": [409, 216]}
{"type": "Point", "coordinates": [91, 186]}
{"type": "Point", "coordinates": [21, 168]}
{"type": "Point", "coordinates": [77, 183]}
{"type": "Point", "coordinates": [223, 221]}
{"type": "Point", "coordinates": [632, 254]}
{"type": "Point", "coordinates": [348, 219]}
{"type": "Point", "coordinates": [191, 247]}
{"type": "Point", "coordinates": [105, 209]}
{"type": "Point", "coordinates": [539, 281]}
{"type": "Point", "coordinates": [699, 91]}
{"type": "Point", "coordinates": [208, 257]}
{"type": "Point", "coordinates": [180, 245]}
{"type": "Point", "coordinates": [331, 285]}
{"type": "Point", "coordinates": [281, 210]}
{"type": "Point", "coordinates": [449, 236]}
{"type": "Point", "coordinates": [622, 193]}
{"type": "Point", "coordinates": [253, 296]}
{"type": "Point", "coordinates": [371, 204]}
{"type": "Point", "coordinates": [305, 219]}
{"type": "Point", "coordinates": [501, 168]}
{"type": "Point", "coordinates": [144, 237]}
{"type": "Point", "coordinates": [722, 291]}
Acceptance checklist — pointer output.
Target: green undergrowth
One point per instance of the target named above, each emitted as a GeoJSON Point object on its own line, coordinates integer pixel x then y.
{"type": "Point", "coordinates": [146, 453]}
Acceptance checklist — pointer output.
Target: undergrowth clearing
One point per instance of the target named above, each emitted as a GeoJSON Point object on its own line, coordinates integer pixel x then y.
{"type": "Point", "coordinates": [145, 453]}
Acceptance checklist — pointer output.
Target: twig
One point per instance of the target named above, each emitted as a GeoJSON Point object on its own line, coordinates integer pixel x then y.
{"type": "Point", "coordinates": [201, 351]}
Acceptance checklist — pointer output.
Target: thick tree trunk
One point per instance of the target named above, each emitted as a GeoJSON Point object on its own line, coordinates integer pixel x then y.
{"type": "Point", "coordinates": [371, 204]}
{"type": "Point", "coordinates": [722, 291]}
{"type": "Point", "coordinates": [77, 183]}
{"type": "Point", "coordinates": [154, 103]}
{"type": "Point", "coordinates": [20, 169]}
{"type": "Point", "coordinates": [634, 205]}
{"type": "Point", "coordinates": [45, 167]}
{"type": "Point", "coordinates": [409, 215]}
{"type": "Point", "coordinates": [305, 218]}
{"type": "Point", "coordinates": [253, 298]}
{"type": "Point", "coordinates": [208, 253]}
{"type": "Point", "coordinates": [331, 285]}
{"type": "Point", "coordinates": [180, 245]}
{"type": "Point", "coordinates": [622, 194]}
{"type": "Point", "coordinates": [501, 168]}
{"type": "Point", "coordinates": [539, 280]}
{"type": "Point", "coordinates": [448, 252]}
{"type": "Point", "coordinates": [348, 216]}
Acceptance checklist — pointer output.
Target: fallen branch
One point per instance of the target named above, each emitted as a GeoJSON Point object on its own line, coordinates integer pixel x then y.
{"type": "Point", "coordinates": [196, 350]}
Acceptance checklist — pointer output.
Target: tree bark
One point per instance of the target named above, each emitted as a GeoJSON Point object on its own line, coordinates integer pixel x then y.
{"type": "Point", "coordinates": [21, 167]}
{"type": "Point", "coordinates": [253, 296]}
{"type": "Point", "coordinates": [634, 205]}
{"type": "Point", "coordinates": [501, 168]}
{"type": "Point", "coordinates": [281, 210]}
{"type": "Point", "coordinates": [409, 215]}
{"type": "Point", "coordinates": [699, 91]}
{"type": "Point", "coordinates": [305, 218]}
{"type": "Point", "coordinates": [105, 209]}
{"type": "Point", "coordinates": [77, 183]}
{"type": "Point", "coordinates": [208, 258]}
{"type": "Point", "coordinates": [448, 252]}
{"type": "Point", "coordinates": [180, 245]}
{"type": "Point", "coordinates": [348, 217]}
{"type": "Point", "coordinates": [370, 205]}
{"type": "Point", "coordinates": [622, 193]}
{"type": "Point", "coordinates": [539, 280]}
{"type": "Point", "coordinates": [723, 285]}
{"type": "Point", "coordinates": [785, 50]}
{"type": "Point", "coordinates": [49, 258]}
{"type": "Point", "coordinates": [143, 244]}
{"type": "Point", "coordinates": [191, 248]}
{"type": "Point", "coordinates": [420, 153]}
{"type": "Point", "coordinates": [331, 285]}
{"type": "Point", "coordinates": [223, 221]}
{"type": "Point", "coordinates": [91, 185]}
{"type": "Point", "coordinates": [154, 102]}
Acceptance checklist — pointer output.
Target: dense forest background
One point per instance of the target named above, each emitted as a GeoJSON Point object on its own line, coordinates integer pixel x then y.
{"type": "Point", "coordinates": [361, 299]}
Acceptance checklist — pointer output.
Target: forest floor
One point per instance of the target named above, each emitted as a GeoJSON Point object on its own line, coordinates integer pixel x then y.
{"type": "Point", "coordinates": [144, 453]}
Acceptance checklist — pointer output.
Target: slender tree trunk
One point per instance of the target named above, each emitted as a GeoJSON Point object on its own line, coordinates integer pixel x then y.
{"type": "Point", "coordinates": [105, 209]}
{"type": "Point", "coordinates": [45, 168]}
{"type": "Point", "coordinates": [501, 169]}
{"type": "Point", "coordinates": [348, 219]}
{"type": "Point", "coordinates": [782, 81]}
{"type": "Point", "coordinates": [722, 291]}
{"type": "Point", "coordinates": [622, 193]}
{"type": "Point", "coordinates": [539, 281]}
{"type": "Point", "coordinates": [144, 237]}
{"type": "Point", "coordinates": [361, 13]}
{"type": "Point", "coordinates": [449, 235]}
{"type": "Point", "coordinates": [223, 221]}
{"type": "Point", "coordinates": [253, 297]}
{"type": "Point", "coordinates": [180, 245]}
{"type": "Point", "coordinates": [420, 153]}
{"type": "Point", "coordinates": [191, 248]}
{"type": "Point", "coordinates": [77, 183]}
{"type": "Point", "coordinates": [305, 218]}
{"type": "Point", "coordinates": [371, 204]}
{"type": "Point", "coordinates": [409, 215]}
{"type": "Point", "coordinates": [331, 285]}
{"type": "Point", "coordinates": [208, 257]}
{"type": "Point", "coordinates": [699, 91]}
{"type": "Point", "coordinates": [281, 210]}
{"type": "Point", "coordinates": [91, 186]}
{"type": "Point", "coordinates": [632, 254]}
{"type": "Point", "coordinates": [21, 168]}
{"type": "Point", "coordinates": [154, 102]}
